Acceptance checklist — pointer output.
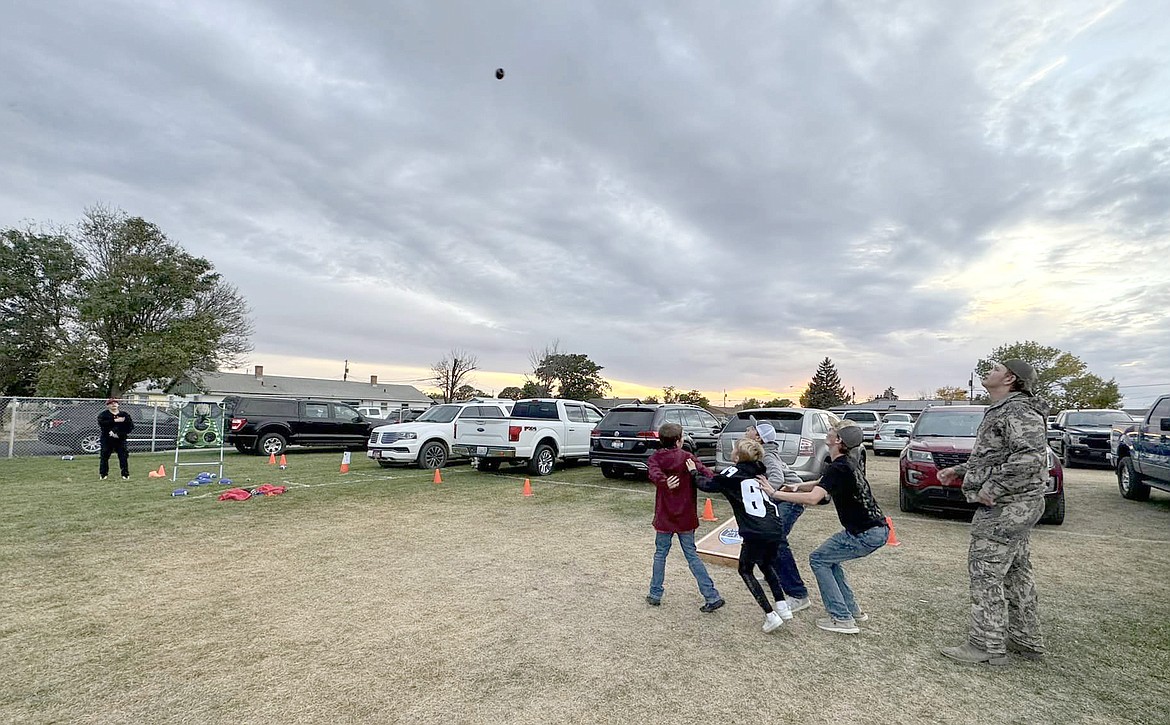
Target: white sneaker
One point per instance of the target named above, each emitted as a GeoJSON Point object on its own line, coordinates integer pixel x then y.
{"type": "Point", "coordinates": [772, 621]}
{"type": "Point", "coordinates": [797, 605]}
{"type": "Point", "coordinates": [783, 610]}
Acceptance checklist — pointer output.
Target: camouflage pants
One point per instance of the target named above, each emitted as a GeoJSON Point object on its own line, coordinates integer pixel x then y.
{"type": "Point", "coordinates": [1003, 591]}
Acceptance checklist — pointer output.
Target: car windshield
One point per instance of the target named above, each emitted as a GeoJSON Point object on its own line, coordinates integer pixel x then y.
{"type": "Point", "coordinates": [439, 414]}
{"type": "Point", "coordinates": [640, 418]}
{"type": "Point", "coordinates": [782, 421]}
{"type": "Point", "coordinates": [1098, 417]}
{"type": "Point", "coordinates": [957, 423]}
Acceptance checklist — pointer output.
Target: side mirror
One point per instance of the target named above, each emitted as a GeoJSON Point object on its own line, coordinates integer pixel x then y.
{"type": "Point", "coordinates": [715, 430]}
{"type": "Point", "coordinates": [1057, 426]}
{"type": "Point", "coordinates": [1164, 424]}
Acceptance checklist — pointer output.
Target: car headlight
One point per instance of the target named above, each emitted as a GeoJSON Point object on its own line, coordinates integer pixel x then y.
{"type": "Point", "coordinates": [1079, 440]}
{"type": "Point", "coordinates": [921, 456]}
{"type": "Point", "coordinates": [407, 436]}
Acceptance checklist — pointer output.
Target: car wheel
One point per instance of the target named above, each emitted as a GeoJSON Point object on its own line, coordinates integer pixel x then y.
{"type": "Point", "coordinates": [906, 500]}
{"type": "Point", "coordinates": [1054, 511]}
{"type": "Point", "coordinates": [272, 444]}
{"type": "Point", "coordinates": [483, 464]}
{"type": "Point", "coordinates": [543, 460]}
{"type": "Point", "coordinates": [1129, 482]}
{"type": "Point", "coordinates": [611, 471]}
{"type": "Point", "coordinates": [1065, 456]}
{"type": "Point", "coordinates": [91, 443]}
{"type": "Point", "coordinates": [432, 455]}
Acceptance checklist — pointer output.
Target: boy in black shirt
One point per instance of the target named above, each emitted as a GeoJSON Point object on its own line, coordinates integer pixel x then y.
{"type": "Point", "coordinates": [759, 523]}
{"type": "Point", "coordinates": [865, 528]}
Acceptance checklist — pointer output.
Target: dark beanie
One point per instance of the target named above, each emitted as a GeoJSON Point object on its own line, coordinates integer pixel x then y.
{"type": "Point", "coordinates": [1023, 372]}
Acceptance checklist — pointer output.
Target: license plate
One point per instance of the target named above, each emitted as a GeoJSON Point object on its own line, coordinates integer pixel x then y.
{"type": "Point", "coordinates": [481, 450]}
{"type": "Point", "coordinates": [619, 444]}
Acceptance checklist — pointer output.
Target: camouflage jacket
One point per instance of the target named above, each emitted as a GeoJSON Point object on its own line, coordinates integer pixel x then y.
{"type": "Point", "coordinates": [1009, 460]}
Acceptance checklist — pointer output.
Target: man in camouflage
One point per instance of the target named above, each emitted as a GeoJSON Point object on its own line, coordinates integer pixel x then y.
{"type": "Point", "coordinates": [1007, 474]}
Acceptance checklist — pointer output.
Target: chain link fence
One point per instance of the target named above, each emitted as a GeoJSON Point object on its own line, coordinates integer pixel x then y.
{"type": "Point", "coordinates": [69, 426]}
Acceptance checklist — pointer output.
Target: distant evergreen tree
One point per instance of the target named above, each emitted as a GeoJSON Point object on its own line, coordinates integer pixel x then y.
{"type": "Point", "coordinates": [825, 390]}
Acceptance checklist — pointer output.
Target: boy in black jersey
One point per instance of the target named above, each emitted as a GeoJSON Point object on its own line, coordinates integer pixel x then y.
{"type": "Point", "coordinates": [865, 528]}
{"type": "Point", "coordinates": [759, 523]}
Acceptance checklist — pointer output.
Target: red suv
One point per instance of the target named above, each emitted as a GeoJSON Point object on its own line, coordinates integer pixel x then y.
{"type": "Point", "coordinates": [943, 437]}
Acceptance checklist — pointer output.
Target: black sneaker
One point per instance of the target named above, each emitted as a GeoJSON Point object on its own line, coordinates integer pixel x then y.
{"type": "Point", "coordinates": [711, 606]}
{"type": "Point", "coordinates": [652, 601]}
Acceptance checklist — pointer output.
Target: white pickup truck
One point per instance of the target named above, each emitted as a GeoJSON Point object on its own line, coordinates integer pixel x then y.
{"type": "Point", "coordinates": [538, 432]}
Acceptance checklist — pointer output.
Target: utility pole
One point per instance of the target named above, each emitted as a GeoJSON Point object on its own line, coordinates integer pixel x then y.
{"type": "Point", "coordinates": [725, 397]}
{"type": "Point", "coordinates": [971, 385]}
{"type": "Point", "coordinates": [345, 375]}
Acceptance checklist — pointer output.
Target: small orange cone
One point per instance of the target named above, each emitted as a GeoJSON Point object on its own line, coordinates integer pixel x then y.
{"type": "Point", "coordinates": [708, 512]}
{"type": "Point", "coordinates": [892, 539]}
{"type": "Point", "coordinates": [527, 487]}
{"type": "Point", "coordinates": [160, 473]}
{"type": "Point", "coordinates": [438, 477]}
{"type": "Point", "coordinates": [283, 462]}
{"type": "Point", "coordinates": [272, 459]}
{"type": "Point", "coordinates": [345, 462]}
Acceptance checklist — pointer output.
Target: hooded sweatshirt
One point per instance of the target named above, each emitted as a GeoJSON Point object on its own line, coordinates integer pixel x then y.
{"type": "Point", "coordinates": [674, 508]}
{"type": "Point", "coordinates": [1009, 460]}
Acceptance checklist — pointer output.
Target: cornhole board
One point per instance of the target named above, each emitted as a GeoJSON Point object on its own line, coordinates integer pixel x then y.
{"type": "Point", "coordinates": [721, 546]}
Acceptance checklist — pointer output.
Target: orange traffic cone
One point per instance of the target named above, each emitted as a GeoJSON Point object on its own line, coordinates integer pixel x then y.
{"type": "Point", "coordinates": [160, 473]}
{"type": "Point", "coordinates": [527, 487]}
{"type": "Point", "coordinates": [345, 462]}
{"type": "Point", "coordinates": [438, 477]}
{"type": "Point", "coordinates": [892, 539]}
{"type": "Point", "coordinates": [283, 462]}
{"type": "Point", "coordinates": [708, 512]}
{"type": "Point", "coordinates": [272, 459]}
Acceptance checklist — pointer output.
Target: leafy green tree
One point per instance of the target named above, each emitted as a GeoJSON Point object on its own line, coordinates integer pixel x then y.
{"type": "Point", "coordinates": [572, 375]}
{"type": "Point", "coordinates": [778, 403]}
{"type": "Point", "coordinates": [669, 394]}
{"type": "Point", "coordinates": [693, 397]}
{"type": "Point", "coordinates": [39, 276]}
{"type": "Point", "coordinates": [951, 393]}
{"type": "Point", "coordinates": [512, 393]}
{"type": "Point", "coordinates": [650, 400]}
{"type": "Point", "coordinates": [1063, 379]}
{"type": "Point", "coordinates": [825, 389]}
{"type": "Point", "coordinates": [466, 392]}
{"type": "Point", "coordinates": [450, 373]}
{"type": "Point", "coordinates": [140, 309]}
{"type": "Point", "coordinates": [749, 404]}
{"type": "Point", "coordinates": [534, 389]}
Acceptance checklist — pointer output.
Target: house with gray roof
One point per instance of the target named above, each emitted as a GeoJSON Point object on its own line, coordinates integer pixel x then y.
{"type": "Point", "coordinates": [216, 386]}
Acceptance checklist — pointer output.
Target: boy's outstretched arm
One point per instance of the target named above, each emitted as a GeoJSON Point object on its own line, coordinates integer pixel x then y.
{"type": "Point", "coordinates": [703, 483]}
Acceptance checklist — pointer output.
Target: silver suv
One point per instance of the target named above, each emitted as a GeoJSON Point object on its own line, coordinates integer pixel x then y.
{"type": "Point", "coordinates": [799, 431]}
{"type": "Point", "coordinates": [868, 420]}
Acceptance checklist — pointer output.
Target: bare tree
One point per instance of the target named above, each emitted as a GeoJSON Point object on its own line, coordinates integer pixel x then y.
{"type": "Point", "coordinates": [451, 372]}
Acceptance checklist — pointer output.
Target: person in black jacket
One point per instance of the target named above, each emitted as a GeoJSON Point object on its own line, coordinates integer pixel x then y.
{"type": "Point", "coordinates": [865, 529]}
{"type": "Point", "coordinates": [115, 426]}
{"type": "Point", "coordinates": [759, 523]}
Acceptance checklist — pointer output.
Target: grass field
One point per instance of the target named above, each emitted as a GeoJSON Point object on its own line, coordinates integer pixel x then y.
{"type": "Point", "coordinates": [378, 596]}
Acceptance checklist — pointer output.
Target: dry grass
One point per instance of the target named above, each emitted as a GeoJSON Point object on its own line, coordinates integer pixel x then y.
{"type": "Point", "coordinates": [389, 599]}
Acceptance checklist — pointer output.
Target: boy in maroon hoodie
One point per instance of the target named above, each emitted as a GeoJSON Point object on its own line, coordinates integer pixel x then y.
{"type": "Point", "coordinates": [674, 515]}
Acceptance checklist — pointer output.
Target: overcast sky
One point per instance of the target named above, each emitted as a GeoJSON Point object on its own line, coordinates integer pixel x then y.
{"type": "Point", "coordinates": [691, 196]}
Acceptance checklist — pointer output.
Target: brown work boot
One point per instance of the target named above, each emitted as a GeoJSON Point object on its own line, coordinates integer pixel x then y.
{"type": "Point", "coordinates": [1024, 651]}
{"type": "Point", "coordinates": [972, 655]}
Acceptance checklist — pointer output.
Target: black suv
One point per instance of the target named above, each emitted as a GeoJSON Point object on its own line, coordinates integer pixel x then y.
{"type": "Point", "coordinates": [269, 425]}
{"type": "Point", "coordinates": [624, 439]}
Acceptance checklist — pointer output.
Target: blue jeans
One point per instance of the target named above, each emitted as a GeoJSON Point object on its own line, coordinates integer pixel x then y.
{"type": "Point", "coordinates": [785, 563]}
{"type": "Point", "coordinates": [686, 540]}
{"type": "Point", "coordinates": [826, 565]}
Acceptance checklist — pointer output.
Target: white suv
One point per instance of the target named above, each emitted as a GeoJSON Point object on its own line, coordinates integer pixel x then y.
{"type": "Point", "coordinates": [427, 439]}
